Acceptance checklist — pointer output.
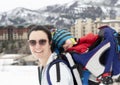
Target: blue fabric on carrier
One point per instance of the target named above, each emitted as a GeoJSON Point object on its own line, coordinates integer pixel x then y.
{"type": "Point", "coordinates": [84, 58]}
{"type": "Point", "coordinates": [85, 77]}
{"type": "Point", "coordinates": [108, 47]}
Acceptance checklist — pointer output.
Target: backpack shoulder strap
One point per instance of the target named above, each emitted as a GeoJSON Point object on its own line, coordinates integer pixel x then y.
{"type": "Point", "coordinates": [74, 69]}
{"type": "Point", "coordinates": [56, 61]}
{"type": "Point", "coordinates": [58, 72]}
{"type": "Point", "coordinates": [70, 63]}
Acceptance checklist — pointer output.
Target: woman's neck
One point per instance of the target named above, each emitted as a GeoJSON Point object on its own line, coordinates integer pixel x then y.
{"type": "Point", "coordinates": [43, 61]}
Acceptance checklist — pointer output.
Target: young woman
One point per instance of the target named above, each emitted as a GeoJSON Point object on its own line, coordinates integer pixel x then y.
{"type": "Point", "coordinates": [39, 39]}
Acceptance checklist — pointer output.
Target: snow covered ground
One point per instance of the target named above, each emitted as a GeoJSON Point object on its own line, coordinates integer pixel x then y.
{"type": "Point", "coordinates": [8, 59]}
{"type": "Point", "coordinates": [18, 75]}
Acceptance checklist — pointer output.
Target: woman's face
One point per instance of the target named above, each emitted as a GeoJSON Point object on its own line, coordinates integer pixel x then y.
{"type": "Point", "coordinates": [68, 44]}
{"type": "Point", "coordinates": [39, 44]}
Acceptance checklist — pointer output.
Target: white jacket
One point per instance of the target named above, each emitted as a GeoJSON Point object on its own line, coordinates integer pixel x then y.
{"type": "Point", "coordinates": [65, 73]}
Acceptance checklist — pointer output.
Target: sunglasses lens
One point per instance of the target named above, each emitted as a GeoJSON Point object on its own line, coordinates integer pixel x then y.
{"type": "Point", "coordinates": [32, 42]}
{"type": "Point", "coordinates": [42, 42]}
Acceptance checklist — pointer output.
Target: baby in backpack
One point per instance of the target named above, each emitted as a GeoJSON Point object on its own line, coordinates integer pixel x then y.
{"type": "Point", "coordinates": [63, 41]}
{"type": "Point", "coordinates": [104, 52]}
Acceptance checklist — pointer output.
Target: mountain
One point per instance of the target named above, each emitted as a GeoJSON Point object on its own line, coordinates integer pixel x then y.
{"type": "Point", "coordinates": [62, 15]}
{"type": "Point", "coordinates": [20, 16]}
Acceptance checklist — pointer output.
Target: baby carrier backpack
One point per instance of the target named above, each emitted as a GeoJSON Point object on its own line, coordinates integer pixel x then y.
{"type": "Point", "coordinates": [102, 60]}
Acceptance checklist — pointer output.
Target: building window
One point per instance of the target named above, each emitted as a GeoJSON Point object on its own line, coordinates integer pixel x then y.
{"type": "Point", "coordinates": [15, 36]}
{"type": "Point", "coordinates": [83, 31]}
{"type": "Point", "coordinates": [92, 29]}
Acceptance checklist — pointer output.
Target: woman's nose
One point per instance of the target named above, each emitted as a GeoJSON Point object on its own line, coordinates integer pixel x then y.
{"type": "Point", "coordinates": [37, 45]}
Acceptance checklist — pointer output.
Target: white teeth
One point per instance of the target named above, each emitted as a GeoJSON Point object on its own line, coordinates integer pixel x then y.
{"type": "Point", "coordinates": [38, 51]}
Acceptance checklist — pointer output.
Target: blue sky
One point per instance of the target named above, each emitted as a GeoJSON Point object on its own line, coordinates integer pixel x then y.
{"type": "Point", "coordinates": [6, 5]}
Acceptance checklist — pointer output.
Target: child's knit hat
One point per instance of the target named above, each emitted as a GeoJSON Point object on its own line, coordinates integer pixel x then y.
{"type": "Point", "coordinates": [59, 38]}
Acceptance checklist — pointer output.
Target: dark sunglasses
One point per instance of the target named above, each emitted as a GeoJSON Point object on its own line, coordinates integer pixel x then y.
{"type": "Point", "coordinates": [33, 42]}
